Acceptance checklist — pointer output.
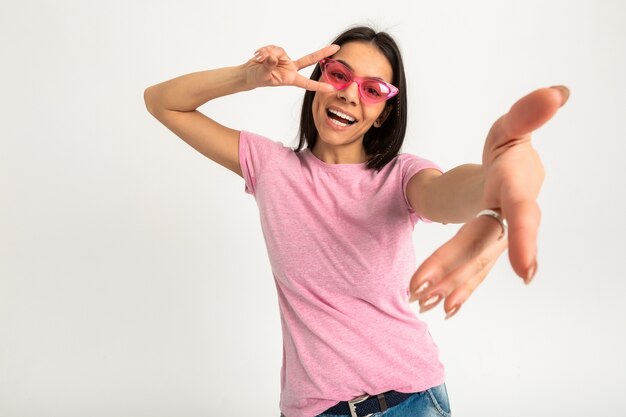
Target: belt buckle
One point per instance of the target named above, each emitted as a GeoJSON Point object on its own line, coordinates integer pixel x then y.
{"type": "Point", "coordinates": [352, 405]}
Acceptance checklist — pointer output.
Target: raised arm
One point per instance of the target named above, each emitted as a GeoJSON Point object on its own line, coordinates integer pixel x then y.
{"type": "Point", "coordinates": [174, 102]}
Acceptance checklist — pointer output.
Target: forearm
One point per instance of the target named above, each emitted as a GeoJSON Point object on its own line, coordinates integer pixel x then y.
{"type": "Point", "coordinates": [190, 91]}
{"type": "Point", "coordinates": [456, 196]}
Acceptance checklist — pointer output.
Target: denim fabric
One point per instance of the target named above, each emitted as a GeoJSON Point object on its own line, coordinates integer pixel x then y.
{"type": "Point", "coordinates": [433, 402]}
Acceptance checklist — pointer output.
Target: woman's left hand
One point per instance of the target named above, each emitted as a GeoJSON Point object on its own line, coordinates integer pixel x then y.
{"type": "Point", "coordinates": [513, 177]}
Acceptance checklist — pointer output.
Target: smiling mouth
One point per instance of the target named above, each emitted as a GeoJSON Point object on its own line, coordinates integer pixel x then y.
{"type": "Point", "coordinates": [339, 118]}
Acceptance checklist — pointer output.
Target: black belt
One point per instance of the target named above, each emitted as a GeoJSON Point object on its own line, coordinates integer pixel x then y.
{"type": "Point", "coordinates": [366, 405]}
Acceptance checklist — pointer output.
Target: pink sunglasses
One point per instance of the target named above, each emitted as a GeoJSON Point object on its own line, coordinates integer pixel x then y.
{"type": "Point", "coordinates": [371, 90]}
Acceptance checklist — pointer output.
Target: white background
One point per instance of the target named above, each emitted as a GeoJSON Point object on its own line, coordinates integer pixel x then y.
{"type": "Point", "coordinates": [134, 279]}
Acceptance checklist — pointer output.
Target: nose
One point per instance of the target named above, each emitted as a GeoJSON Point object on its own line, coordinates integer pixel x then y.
{"type": "Point", "coordinates": [350, 94]}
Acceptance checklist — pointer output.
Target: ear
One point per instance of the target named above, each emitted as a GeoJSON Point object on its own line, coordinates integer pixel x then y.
{"type": "Point", "coordinates": [383, 116]}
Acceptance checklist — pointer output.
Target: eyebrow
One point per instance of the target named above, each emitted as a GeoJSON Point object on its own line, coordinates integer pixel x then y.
{"type": "Point", "coordinates": [352, 69]}
{"type": "Point", "coordinates": [346, 64]}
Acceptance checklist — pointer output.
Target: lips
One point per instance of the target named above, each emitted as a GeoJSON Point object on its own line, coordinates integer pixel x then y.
{"type": "Point", "coordinates": [340, 118]}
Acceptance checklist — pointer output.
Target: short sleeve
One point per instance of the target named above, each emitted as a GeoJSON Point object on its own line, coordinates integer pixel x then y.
{"type": "Point", "coordinates": [411, 165]}
{"type": "Point", "coordinates": [255, 153]}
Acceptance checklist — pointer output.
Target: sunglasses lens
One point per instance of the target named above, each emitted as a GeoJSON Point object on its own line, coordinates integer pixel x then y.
{"type": "Point", "coordinates": [337, 75]}
{"type": "Point", "coordinates": [374, 91]}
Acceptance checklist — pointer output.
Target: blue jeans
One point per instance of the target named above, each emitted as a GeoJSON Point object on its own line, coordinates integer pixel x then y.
{"type": "Point", "coordinates": [433, 402]}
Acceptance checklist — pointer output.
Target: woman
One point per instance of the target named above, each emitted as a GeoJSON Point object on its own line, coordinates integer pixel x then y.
{"type": "Point", "coordinates": [338, 216]}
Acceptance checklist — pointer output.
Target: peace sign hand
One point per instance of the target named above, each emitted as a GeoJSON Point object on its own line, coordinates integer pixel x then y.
{"type": "Point", "coordinates": [271, 67]}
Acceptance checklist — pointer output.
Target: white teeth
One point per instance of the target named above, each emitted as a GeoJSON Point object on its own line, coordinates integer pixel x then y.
{"type": "Point", "coordinates": [338, 123]}
{"type": "Point", "coordinates": [342, 115]}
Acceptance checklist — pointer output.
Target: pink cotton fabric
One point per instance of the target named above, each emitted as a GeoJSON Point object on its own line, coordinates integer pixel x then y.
{"type": "Point", "coordinates": [339, 241]}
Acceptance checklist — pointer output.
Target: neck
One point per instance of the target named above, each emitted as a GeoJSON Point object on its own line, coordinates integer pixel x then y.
{"type": "Point", "coordinates": [346, 154]}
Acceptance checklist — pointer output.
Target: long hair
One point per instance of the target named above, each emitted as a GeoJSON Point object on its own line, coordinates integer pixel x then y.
{"type": "Point", "coordinates": [382, 144]}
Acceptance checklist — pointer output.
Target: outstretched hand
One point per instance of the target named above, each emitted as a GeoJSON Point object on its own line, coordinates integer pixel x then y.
{"type": "Point", "coordinates": [513, 176]}
{"type": "Point", "coordinates": [271, 66]}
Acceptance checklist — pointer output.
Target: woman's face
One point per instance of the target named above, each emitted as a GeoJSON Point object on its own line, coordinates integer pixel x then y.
{"type": "Point", "coordinates": [366, 61]}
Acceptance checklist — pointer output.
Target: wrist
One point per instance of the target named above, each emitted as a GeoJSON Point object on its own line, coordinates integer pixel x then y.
{"type": "Point", "coordinates": [247, 80]}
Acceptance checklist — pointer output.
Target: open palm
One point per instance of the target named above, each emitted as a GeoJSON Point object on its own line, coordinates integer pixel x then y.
{"type": "Point", "coordinates": [513, 177]}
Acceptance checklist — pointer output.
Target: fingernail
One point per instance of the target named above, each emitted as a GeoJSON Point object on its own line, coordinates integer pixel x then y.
{"type": "Point", "coordinates": [453, 311]}
{"type": "Point", "coordinates": [531, 273]}
{"type": "Point", "coordinates": [564, 92]}
{"type": "Point", "coordinates": [422, 287]}
{"type": "Point", "coordinates": [417, 292]}
{"type": "Point", "coordinates": [430, 303]}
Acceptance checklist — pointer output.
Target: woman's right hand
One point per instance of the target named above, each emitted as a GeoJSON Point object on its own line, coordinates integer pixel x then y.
{"type": "Point", "coordinates": [271, 67]}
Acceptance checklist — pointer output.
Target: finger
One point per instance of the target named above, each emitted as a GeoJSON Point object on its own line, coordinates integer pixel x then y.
{"type": "Point", "coordinates": [459, 284]}
{"type": "Point", "coordinates": [272, 52]}
{"type": "Point", "coordinates": [261, 54]}
{"type": "Point", "coordinates": [316, 56]}
{"type": "Point", "coordinates": [272, 56]}
{"type": "Point", "coordinates": [523, 217]}
{"type": "Point", "coordinates": [270, 61]}
{"type": "Point", "coordinates": [460, 295]}
{"type": "Point", "coordinates": [468, 243]}
{"type": "Point", "coordinates": [257, 57]}
{"type": "Point", "coordinates": [529, 113]}
{"type": "Point", "coordinates": [476, 265]}
{"type": "Point", "coordinates": [467, 278]}
{"type": "Point", "coordinates": [312, 85]}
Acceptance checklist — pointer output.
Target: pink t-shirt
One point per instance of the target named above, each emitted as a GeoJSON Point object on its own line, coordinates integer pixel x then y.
{"type": "Point", "coordinates": [339, 242]}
